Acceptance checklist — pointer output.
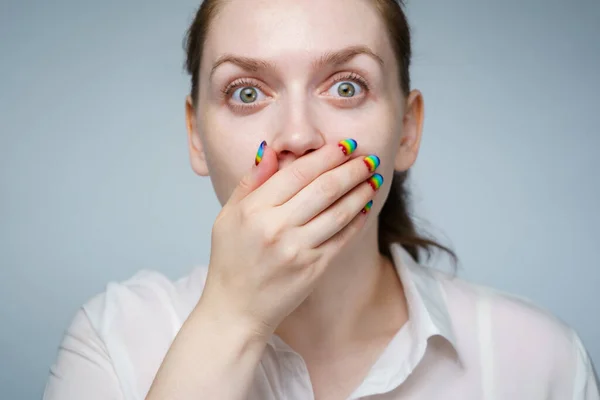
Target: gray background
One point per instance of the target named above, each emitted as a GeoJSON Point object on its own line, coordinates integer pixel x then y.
{"type": "Point", "coordinates": [96, 184]}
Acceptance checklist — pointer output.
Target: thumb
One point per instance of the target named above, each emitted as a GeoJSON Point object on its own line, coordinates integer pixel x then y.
{"type": "Point", "coordinates": [265, 165]}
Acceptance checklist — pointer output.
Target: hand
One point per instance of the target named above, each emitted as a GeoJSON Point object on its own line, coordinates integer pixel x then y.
{"type": "Point", "coordinates": [280, 229]}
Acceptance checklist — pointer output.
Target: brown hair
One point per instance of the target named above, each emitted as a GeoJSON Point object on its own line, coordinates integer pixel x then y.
{"type": "Point", "coordinates": [395, 222]}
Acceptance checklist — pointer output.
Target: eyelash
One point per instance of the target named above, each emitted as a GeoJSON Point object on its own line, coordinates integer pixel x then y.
{"type": "Point", "coordinates": [351, 76]}
{"type": "Point", "coordinates": [241, 83]}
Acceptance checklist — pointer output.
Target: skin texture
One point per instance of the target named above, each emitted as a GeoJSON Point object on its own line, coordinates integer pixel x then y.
{"type": "Point", "coordinates": [340, 314]}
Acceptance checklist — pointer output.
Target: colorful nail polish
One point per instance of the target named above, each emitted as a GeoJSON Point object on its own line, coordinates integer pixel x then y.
{"type": "Point", "coordinates": [348, 146]}
{"type": "Point", "coordinates": [372, 162]}
{"type": "Point", "coordinates": [376, 181]}
{"type": "Point", "coordinates": [367, 207]}
{"type": "Point", "coordinates": [260, 152]}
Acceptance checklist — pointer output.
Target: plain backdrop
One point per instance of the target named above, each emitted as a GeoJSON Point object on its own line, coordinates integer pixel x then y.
{"type": "Point", "coordinates": [96, 183]}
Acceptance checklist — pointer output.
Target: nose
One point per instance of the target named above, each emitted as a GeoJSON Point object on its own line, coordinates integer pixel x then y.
{"type": "Point", "coordinates": [298, 133]}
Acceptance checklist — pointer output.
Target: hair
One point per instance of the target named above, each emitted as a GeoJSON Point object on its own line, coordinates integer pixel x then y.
{"type": "Point", "coordinates": [395, 221]}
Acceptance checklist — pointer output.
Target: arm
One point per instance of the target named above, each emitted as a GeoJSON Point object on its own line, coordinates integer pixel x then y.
{"type": "Point", "coordinates": [586, 379]}
{"type": "Point", "coordinates": [214, 356]}
{"type": "Point", "coordinates": [83, 369]}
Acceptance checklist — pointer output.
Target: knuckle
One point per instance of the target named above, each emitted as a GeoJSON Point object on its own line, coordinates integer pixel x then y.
{"type": "Point", "coordinates": [340, 217]}
{"type": "Point", "coordinates": [249, 212]}
{"type": "Point", "coordinates": [271, 234]}
{"type": "Point", "coordinates": [300, 175]}
{"type": "Point", "coordinates": [328, 188]}
{"type": "Point", "coordinates": [245, 184]}
{"type": "Point", "coordinates": [289, 253]}
{"type": "Point", "coordinates": [245, 214]}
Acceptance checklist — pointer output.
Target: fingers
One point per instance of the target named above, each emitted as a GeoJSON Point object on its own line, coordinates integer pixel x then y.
{"type": "Point", "coordinates": [265, 165]}
{"type": "Point", "coordinates": [338, 216]}
{"type": "Point", "coordinates": [287, 182]}
{"type": "Point", "coordinates": [323, 253]}
{"type": "Point", "coordinates": [329, 187]}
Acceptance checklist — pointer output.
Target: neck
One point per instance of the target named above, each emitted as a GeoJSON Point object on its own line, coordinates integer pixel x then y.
{"type": "Point", "coordinates": [359, 296]}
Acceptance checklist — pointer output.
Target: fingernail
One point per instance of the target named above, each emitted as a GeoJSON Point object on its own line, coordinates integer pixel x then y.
{"type": "Point", "coordinates": [348, 146]}
{"type": "Point", "coordinates": [376, 181]}
{"type": "Point", "coordinates": [367, 207]}
{"type": "Point", "coordinates": [260, 152]}
{"type": "Point", "coordinates": [372, 162]}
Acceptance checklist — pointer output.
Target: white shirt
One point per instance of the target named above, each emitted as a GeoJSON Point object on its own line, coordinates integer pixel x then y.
{"type": "Point", "coordinates": [462, 341]}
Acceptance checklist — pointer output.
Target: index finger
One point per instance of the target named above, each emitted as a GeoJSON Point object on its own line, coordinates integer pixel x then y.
{"type": "Point", "coordinates": [285, 183]}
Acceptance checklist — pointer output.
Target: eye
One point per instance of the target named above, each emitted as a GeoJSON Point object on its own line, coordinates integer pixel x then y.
{"type": "Point", "coordinates": [244, 95]}
{"type": "Point", "coordinates": [348, 86]}
{"type": "Point", "coordinates": [247, 95]}
{"type": "Point", "coordinates": [346, 89]}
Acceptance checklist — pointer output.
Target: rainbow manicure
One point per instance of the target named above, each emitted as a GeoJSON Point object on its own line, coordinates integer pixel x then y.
{"type": "Point", "coordinates": [348, 146]}
{"type": "Point", "coordinates": [375, 181]}
{"type": "Point", "coordinates": [372, 162]}
{"type": "Point", "coordinates": [260, 152]}
{"type": "Point", "coordinates": [367, 207]}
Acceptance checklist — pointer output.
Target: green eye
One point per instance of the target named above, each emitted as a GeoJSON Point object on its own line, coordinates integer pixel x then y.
{"type": "Point", "coordinates": [346, 89]}
{"type": "Point", "coordinates": [248, 95]}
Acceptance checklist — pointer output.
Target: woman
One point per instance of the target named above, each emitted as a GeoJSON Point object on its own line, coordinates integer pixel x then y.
{"type": "Point", "coordinates": [313, 288]}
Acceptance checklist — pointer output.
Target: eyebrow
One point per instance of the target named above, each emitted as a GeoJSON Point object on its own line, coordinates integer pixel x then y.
{"type": "Point", "coordinates": [333, 58]}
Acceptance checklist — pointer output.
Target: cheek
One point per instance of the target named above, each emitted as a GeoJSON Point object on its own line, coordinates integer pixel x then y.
{"type": "Point", "coordinates": [376, 129]}
{"type": "Point", "coordinates": [229, 153]}
{"type": "Point", "coordinates": [234, 135]}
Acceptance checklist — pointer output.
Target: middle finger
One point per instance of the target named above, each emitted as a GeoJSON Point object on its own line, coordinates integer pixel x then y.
{"type": "Point", "coordinates": [328, 188]}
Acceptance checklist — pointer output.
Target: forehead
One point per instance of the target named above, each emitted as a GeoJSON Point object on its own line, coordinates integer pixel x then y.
{"type": "Point", "coordinates": [279, 29]}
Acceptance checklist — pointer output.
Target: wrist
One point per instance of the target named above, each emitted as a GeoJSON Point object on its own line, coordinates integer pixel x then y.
{"type": "Point", "coordinates": [226, 321]}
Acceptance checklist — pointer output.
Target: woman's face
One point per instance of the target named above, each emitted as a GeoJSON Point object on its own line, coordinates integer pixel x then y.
{"type": "Point", "coordinates": [298, 74]}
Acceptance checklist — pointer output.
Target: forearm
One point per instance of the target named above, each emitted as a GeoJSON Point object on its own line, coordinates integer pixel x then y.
{"type": "Point", "coordinates": [214, 356]}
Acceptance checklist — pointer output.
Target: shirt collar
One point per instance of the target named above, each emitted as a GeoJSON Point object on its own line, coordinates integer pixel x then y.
{"type": "Point", "coordinates": [425, 295]}
{"type": "Point", "coordinates": [428, 316]}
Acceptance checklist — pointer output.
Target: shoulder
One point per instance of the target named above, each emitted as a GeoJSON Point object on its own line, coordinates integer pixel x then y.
{"type": "Point", "coordinates": [512, 317]}
{"type": "Point", "coordinates": [526, 340]}
{"type": "Point", "coordinates": [148, 296]}
{"type": "Point", "coordinates": [137, 319]}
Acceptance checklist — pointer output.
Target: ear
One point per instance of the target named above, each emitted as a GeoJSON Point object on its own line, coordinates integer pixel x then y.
{"type": "Point", "coordinates": [412, 128]}
{"type": "Point", "coordinates": [197, 157]}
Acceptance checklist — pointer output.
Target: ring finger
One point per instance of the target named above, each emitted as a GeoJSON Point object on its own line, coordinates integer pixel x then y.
{"type": "Point", "coordinates": [338, 215]}
{"type": "Point", "coordinates": [329, 188]}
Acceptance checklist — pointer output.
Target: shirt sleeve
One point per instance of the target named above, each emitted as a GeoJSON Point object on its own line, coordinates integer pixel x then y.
{"type": "Point", "coordinates": [586, 378]}
{"type": "Point", "coordinates": [83, 369]}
